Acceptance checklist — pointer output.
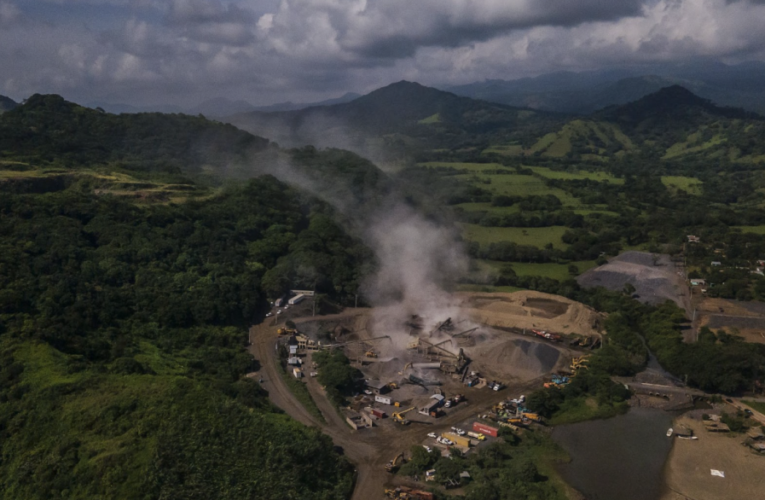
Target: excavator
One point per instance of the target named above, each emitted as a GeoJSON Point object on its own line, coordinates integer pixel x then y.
{"type": "Point", "coordinates": [371, 354]}
{"type": "Point", "coordinates": [286, 331]}
{"type": "Point", "coordinates": [394, 464]}
{"type": "Point", "coordinates": [398, 416]}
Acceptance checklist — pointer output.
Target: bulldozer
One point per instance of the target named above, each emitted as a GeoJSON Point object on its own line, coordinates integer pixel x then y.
{"type": "Point", "coordinates": [394, 464]}
{"type": "Point", "coordinates": [398, 416]}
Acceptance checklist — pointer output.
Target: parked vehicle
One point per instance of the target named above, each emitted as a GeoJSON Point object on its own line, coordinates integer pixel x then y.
{"type": "Point", "coordinates": [432, 435]}
{"type": "Point", "coordinates": [459, 432]}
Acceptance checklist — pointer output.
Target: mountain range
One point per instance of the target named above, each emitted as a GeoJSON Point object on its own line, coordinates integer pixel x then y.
{"type": "Point", "coordinates": [740, 85]}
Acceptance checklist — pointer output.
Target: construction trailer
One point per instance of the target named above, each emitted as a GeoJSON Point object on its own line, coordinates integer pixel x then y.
{"type": "Point", "coordinates": [297, 299]}
{"type": "Point", "coordinates": [484, 429]}
{"type": "Point", "coordinates": [383, 399]}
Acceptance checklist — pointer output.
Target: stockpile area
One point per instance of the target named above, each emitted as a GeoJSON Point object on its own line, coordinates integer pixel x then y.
{"type": "Point", "coordinates": [655, 277]}
{"type": "Point", "coordinates": [747, 318]}
{"type": "Point", "coordinates": [522, 359]}
{"type": "Point", "coordinates": [531, 310]}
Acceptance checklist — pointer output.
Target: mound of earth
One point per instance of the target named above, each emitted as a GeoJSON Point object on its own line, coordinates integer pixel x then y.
{"type": "Point", "coordinates": [529, 309]}
{"type": "Point", "coordinates": [655, 278]}
{"type": "Point", "coordinates": [522, 359]}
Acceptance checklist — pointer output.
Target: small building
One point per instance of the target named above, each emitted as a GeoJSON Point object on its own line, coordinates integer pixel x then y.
{"type": "Point", "coordinates": [294, 361]}
{"type": "Point", "coordinates": [429, 406]}
{"type": "Point", "coordinates": [438, 397]}
{"type": "Point", "coordinates": [698, 282]}
{"type": "Point", "coordinates": [693, 239]}
{"type": "Point", "coordinates": [377, 387]}
{"type": "Point", "coordinates": [297, 372]}
{"type": "Point", "coordinates": [716, 263]}
{"type": "Point", "coordinates": [358, 420]}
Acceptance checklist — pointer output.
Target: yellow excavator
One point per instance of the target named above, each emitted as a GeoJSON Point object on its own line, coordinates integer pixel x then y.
{"type": "Point", "coordinates": [398, 416]}
{"type": "Point", "coordinates": [394, 464]}
{"type": "Point", "coordinates": [286, 331]}
{"type": "Point", "coordinates": [371, 354]}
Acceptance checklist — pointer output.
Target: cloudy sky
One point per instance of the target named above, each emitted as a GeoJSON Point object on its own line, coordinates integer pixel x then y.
{"type": "Point", "coordinates": [264, 51]}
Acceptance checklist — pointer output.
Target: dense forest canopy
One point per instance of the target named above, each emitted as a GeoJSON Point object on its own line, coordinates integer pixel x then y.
{"type": "Point", "coordinates": [129, 324]}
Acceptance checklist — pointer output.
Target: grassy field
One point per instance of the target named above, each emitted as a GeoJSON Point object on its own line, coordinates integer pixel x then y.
{"type": "Point", "coordinates": [688, 184]}
{"type": "Point", "coordinates": [580, 410]}
{"type": "Point", "coordinates": [487, 288]}
{"type": "Point", "coordinates": [471, 167]}
{"type": "Point", "coordinates": [594, 134]}
{"type": "Point", "coordinates": [580, 174]}
{"type": "Point", "coordinates": [302, 394]}
{"type": "Point", "coordinates": [692, 145]}
{"type": "Point", "coordinates": [504, 149]}
{"type": "Point", "coordinates": [487, 207]}
{"type": "Point", "coordinates": [534, 236]}
{"type": "Point", "coordinates": [550, 270]}
{"type": "Point", "coordinates": [751, 229]}
{"type": "Point", "coordinates": [431, 119]}
{"type": "Point", "coordinates": [760, 407]}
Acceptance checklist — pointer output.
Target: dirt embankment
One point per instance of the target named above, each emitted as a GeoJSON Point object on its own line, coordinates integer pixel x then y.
{"type": "Point", "coordinates": [528, 309]}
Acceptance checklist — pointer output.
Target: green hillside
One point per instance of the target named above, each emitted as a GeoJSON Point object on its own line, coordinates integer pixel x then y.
{"type": "Point", "coordinates": [126, 289]}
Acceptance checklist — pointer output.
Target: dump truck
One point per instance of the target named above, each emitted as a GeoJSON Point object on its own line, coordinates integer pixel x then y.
{"type": "Point", "coordinates": [476, 435]}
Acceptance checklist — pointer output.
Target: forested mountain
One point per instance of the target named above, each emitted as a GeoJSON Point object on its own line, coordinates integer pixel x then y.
{"type": "Point", "coordinates": [397, 120]}
{"type": "Point", "coordinates": [123, 328]}
{"type": "Point", "coordinates": [6, 104]}
{"type": "Point", "coordinates": [588, 91]}
{"type": "Point", "coordinates": [50, 130]}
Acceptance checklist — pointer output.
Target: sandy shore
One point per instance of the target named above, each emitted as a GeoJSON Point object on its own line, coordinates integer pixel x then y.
{"type": "Point", "coordinates": [687, 472]}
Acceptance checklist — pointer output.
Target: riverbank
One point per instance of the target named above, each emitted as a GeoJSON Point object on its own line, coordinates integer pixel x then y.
{"type": "Point", "coordinates": [687, 472]}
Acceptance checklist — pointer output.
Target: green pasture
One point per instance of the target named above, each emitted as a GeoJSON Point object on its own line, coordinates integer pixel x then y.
{"type": "Point", "coordinates": [690, 185]}
{"type": "Point", "coordinates": [751, 229]}
{"type": "Point", "coordinates": [534, 236]}
{"type": "Point", "coordinates": [548, 270]}
{"type": "Point", "coordinates": [578, 175]}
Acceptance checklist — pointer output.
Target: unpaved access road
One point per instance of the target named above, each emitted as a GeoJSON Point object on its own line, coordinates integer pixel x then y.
{"type": "Point", "coordinates": [368, 449]}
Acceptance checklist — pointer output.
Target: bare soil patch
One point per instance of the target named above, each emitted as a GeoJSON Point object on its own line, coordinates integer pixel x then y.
{"type": "Point", "coordinates": [688, 469]}
{"type": "Point", "coordinates": [531, 310]}
{"type": "Point", "coordinates": [747, 318]}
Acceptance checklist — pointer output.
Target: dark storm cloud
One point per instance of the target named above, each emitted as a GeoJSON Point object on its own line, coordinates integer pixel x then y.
{"type": "Point", "coordinates": [273, 50]}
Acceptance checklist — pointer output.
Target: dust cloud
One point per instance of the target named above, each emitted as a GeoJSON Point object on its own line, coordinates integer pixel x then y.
{"type": "Point", "coordinates": [419, 260]}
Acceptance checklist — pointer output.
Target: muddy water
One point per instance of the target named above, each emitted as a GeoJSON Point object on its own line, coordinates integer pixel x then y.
{"type": "Point", "coordinates": [621, 458]}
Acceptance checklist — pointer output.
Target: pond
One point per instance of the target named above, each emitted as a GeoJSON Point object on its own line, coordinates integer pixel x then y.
{"type": "Point", "coordinates": [618, 458]}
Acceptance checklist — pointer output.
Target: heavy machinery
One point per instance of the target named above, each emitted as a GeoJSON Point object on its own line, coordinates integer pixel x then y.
{"type": "Point", "coordinates": [392, 386]}
{"type": "Point", "coordinates": [286, 331]}
{"type": "Point", "coordinates": [394, 464]}
{"type": "Point", "coordinates": [398, 416]}
{"type": "Point", "coordinates": [371, 354]}
{"type": "Point", "coordinates": [532, 416]}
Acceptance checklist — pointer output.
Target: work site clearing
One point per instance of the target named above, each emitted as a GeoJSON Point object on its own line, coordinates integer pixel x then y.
{"type": "Point", "coordinates": [442, 377]}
